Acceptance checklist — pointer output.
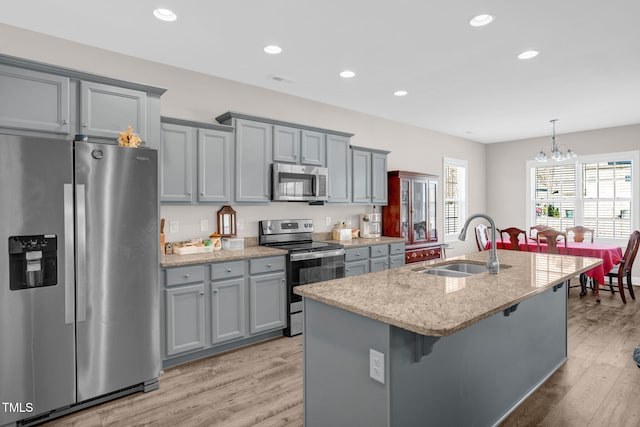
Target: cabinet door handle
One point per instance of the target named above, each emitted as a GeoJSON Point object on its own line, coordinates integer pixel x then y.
{"type": "Point", "coordinates": [283, 280]}
{"type": "Point", "coordinates": [65, 122]}
{"type": "Point", "coordinates": [201, 293]}
{"type": "Point", "coordinates": [304, 157]}
{"type": "Point", "coordinates": [215, 291]}
{"type": "Point", "coordinates": [188, 193]}
{"type": "Point", "coordinates": [84, 125]}
{"type": "Point", "coordinates": [202, 194]}
{"type": "Point", "coordinates": [295, 157]}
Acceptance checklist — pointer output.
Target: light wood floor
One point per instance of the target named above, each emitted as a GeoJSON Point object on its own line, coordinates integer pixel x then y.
{"type": "Point", "coordinates": [262, 385]}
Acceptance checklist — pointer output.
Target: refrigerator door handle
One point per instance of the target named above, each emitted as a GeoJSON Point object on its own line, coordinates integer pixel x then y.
{"type": "Point", "coordinates": [69, 274]}
{"type": "Point", "coordinates": [81, 221]}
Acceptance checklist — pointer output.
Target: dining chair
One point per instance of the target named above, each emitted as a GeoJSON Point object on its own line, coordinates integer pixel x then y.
{"type": "Point", "coordinates": [482, 237]}
{"type": "Point", "coordinates": [623, 268]}
{"type": "Point", "coordinates": [514, 237]}
{"type": "Point", "coordinates": [550, 236]}
{"type": "Point", "coordinates": [533, 231]}
{"type": "Point", "coordinates": [579, 231]}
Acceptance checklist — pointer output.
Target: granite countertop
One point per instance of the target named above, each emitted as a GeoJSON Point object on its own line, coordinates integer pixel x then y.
{"type": "Point", "coordinates": [439, 306]}
{"type": "Point", "coordinates": [355, 243]}
{"type": "Point", "coordinates": [217, 256]}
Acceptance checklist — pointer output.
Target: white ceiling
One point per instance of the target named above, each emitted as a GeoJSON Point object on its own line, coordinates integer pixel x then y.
{"type": "Point", "coordinates": [461, 80]}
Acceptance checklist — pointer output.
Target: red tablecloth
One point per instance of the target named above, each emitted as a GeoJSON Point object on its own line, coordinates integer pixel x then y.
{"type": "Point", "coordinates": [609, 254]}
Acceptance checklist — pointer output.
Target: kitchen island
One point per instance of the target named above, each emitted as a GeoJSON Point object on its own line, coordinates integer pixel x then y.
{"type": "Point", "coordinates": [445, 350]}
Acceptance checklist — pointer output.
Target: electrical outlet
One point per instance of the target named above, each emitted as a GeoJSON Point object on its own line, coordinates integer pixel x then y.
{"type": "Point", "coordinates": [173, 226]}
{"type": "Point", "coordinates": [327, 220]}
{"type": "Point", "coordinates": [376, 365]}
{"type": "Point", "coordinates": [204, 224]}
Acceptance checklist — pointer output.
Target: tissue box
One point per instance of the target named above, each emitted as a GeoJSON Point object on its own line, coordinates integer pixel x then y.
{"type": "Point", "coordinates": [341, 234]}
{"type": "Point", "coordinates": [232, 243]}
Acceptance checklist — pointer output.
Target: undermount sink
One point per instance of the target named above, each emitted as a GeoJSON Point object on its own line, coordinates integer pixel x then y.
{"type": "Point", "coordinates": [455, 269]}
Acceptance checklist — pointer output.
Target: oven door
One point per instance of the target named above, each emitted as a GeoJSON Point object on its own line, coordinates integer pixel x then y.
{"type": "Point", "coordinates": [311, 267]}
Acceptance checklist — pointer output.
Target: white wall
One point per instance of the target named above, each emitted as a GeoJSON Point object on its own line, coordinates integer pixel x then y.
{"type": "Point", "coordinates": [199, 97]}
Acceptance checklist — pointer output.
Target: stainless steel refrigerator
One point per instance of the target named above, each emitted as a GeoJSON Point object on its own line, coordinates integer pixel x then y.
{"type": "Point", "coordinates": [78, 274]}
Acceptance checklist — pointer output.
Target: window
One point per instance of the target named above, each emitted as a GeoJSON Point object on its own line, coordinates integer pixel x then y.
{"type": "Point", "coordinates": [455, 196]}
{"type": "Point", "coordinates": [594, 191]}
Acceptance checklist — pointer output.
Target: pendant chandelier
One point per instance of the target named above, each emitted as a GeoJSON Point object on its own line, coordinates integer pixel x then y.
{"type": "Point", "coordinates": [556, 153]}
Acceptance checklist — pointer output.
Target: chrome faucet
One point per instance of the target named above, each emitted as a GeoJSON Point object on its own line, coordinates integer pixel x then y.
{"type": "Point", "coordinates": [492, 264]}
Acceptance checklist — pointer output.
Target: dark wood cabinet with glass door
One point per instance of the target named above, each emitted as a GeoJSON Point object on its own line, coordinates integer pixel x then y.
{"type": "Point", "coordinates": [411, 213]}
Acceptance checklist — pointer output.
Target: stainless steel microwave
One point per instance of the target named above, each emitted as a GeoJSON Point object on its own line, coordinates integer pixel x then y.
{"type": "Point", "coordinates": [297, 183]}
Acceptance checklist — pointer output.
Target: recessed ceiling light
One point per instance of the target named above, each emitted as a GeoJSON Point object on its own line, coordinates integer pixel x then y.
{"type": "Point", "coordinates": [400, 93]}
{"type": "Point", "coordinates": [165, 15]}
{"type": "Point", "coordinates": [347, 74]}
{"type": "Point", "coordinates": [272, 49]}
{"type": "Point", "coordinates": [528, 54]}
{"type": "Point", "coordinates": [481, 20]}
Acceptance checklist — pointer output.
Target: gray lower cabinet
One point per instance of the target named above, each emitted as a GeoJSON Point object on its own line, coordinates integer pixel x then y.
{"type": "Point", "coordinates": [267, 294]}
{"type": "Point", "coordinates": [253, 161]}
{"type": "Point", "coordinates": [243, 301]}
{"type": "Point", "coordinates": [106, 110]}
{"type": "Point", "coordinates": [33, 100]}
{"type": "Point", "coordinates": [370, 259]}
{"type": "Point", "coordinates": [356, 268]}
{"type": "Point", "coordinates": [369, 175]}
{"type": "Point", "coordinates": [338, 160]}
{"type": "Point", "coordinates": [196, 159]}
{"type": "Point", "coordinates": [228, 310]}
{"type": "Point", "coordinates": [185, 318]}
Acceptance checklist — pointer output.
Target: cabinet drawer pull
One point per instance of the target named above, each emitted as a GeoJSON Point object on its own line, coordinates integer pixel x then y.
{"type": "Point", "coordinates": [186, 276]}
{"type": "Point", "coordinates": [379, 250]}
{"type": "Point", "coordinates": [84, 125]}
{"type": "Point", "coordinates": [268, 265]}
{"type": "Point", "coordinates": [229, 270]}
{"type": "Point", "coordinates": [215, 291]}
{"type": "Point", "coordinates": [358, 254]}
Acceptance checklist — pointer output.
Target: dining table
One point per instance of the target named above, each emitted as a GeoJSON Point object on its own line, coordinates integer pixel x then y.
{"type": "Point", "coordinates": [609, 254]}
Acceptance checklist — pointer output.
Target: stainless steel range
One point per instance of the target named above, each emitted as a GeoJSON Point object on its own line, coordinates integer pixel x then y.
{"type": "Point", "coordinates": [307, 261]}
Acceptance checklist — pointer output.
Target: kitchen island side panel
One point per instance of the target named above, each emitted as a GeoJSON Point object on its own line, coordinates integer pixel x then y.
{"type": "Point", "coordinates": [337, 388]}
{"type": "Point", "coordinates": [478, 375]}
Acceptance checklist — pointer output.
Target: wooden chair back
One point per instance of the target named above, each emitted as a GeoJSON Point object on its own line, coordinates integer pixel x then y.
{"type": "Point", "coordinates": [482, 237]}
{"type": "Point", "coordinates": [579, 232]}
{"type": "Point", "coordinates": [537, 228]}
{"type": "Point", "coordinates": [514, 236]}
{"type": "Point", "coordinates": [623, 269]}
{"type": "Point", "coordinates": [551, 236]}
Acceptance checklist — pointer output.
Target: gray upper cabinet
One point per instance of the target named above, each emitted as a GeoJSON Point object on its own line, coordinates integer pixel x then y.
{"type": "Point", "coordinates": [195, 158]}
{"type": "Point", "coordinates": [361, 167]}
{"type": "Point", "coordinates": [253, 162]}
{"type": "Point", "coordinates": [304, 147]}
{"type": "Point", "coordinates": [379, 186]}
{"type": "Point", "coordinates": [369, 169]}
{"type": "Point", "coordinates": [176, 183]}
{"type": "Point", "coordinates": [32, 100]}
{"type": "Point", "coordinates": [106, 110]}
{"type": "Point", "coordinates": [312, 148]}
{"type": "Point", "coordinates": [339, 164]}
{"type": "Point", "coordinates": [214, 166]}
{"type": "Point", "coordinates": [286, 144]}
